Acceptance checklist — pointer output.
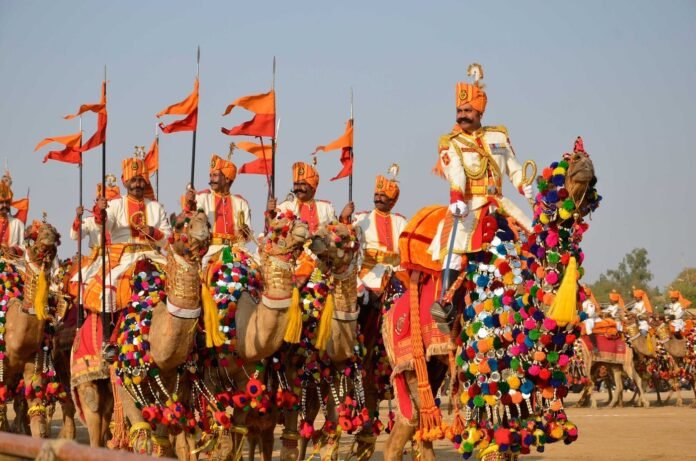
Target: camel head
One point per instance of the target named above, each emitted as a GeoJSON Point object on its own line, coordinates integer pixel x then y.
{"type": "Point", "coordinates": [567, 188]}
{"type": "Point", "coordinates": [286, 236]}
{"type": "Point", "coordinates": [43, 240]}
{"type": "Point", "coordinates": [191, 236]}
{"type": "Point", "coordinates": [335, 246]}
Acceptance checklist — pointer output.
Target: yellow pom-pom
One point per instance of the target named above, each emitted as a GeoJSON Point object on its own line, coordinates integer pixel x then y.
{"type": "Point", "coordinates": [559, 170]}
{"type": "Point", "coordinates": [543, 218]}
{"type": "Point", "coordinates": [514, 382]}
{"type": "Point", "coordinates": [564, 214]}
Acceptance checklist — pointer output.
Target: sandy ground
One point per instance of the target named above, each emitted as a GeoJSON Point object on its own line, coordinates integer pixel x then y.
{"type": "Point", "coordinates": [606, 434]}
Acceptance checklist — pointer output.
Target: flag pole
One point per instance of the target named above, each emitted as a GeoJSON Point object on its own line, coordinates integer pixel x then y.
{"type": "Point", "coordinates": [157, 172]}
{"type": "Point", "coordinates": [193, 149]}
{"type": "Point", "coordinates": [106, 324]}
{"type": "Point", "coordinates": [80, 307]}
{"type": "Point", "coordinates": [273, 140]}
{"type": "Point", "coordinates": [350, 178]}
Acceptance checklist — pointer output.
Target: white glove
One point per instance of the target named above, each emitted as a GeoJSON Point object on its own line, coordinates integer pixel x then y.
{"type": "Point", "coordinates": [459, 207]}
{"type": "Point", "coordinates": [528, 191]}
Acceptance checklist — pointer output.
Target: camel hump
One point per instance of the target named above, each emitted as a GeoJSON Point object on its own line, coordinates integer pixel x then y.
{"type": "Point", "coordinates": [416, 237]}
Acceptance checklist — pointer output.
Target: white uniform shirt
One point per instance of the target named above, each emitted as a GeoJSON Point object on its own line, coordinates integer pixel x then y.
{"type": "Point", "coordinates": [118, 225]}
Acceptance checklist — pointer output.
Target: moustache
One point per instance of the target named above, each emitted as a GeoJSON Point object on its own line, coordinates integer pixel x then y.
{"type": "Point", "coordinates": [294, 191]}
{"type": "Point", "coordinates": [464, 119]}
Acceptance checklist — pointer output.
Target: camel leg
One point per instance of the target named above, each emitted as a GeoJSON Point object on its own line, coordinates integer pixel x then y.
{"type": "Point", "coordinates": [267, 440]}
{"type": "Point", "coordinates": [68, 429]}
{"type": "Point", "coordinates": [312, 412]}
{"type": "Point", "coordinates": [37, 413]}
{"type": "Point", "coordinates": [93, 395]}
{"type": "Point", "coordinates": [365, 446]}
{"type": "Point", "coordinates": [638, 380]}
{"type": "Point", "coordinates": [402, 432]}
{"type": "Point", "coordinates": [184, 444]}
{"type": "Point", "coordinates": [20, 424]}
{"type": "Point", "coordinates": [289, 450]}
{"type": "Point", "coordinates": [618, 382]}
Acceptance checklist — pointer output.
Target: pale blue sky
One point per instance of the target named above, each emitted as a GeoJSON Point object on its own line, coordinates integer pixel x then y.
{"type": "Point", "coordinates": [619, 73]}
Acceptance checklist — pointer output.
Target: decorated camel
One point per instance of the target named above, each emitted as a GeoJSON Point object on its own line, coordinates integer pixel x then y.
{"type": "Point", "coordinates": [514, 331]}
{"type": "Point", "coordinates": [253, 331]}
{"type": "Point", "coordinates": [24, 324]}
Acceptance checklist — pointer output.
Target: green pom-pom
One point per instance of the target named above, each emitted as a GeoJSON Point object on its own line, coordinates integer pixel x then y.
{"type": "Point", "coordinates": [534, 335]}
{"type": "Point", "coordinates": [568, 204]}
{"type": "Point", "coordinates": [497, 302]}
{"type": "Point", "coordinates": [459, 361]}
{"type": "Point", "coordinates": [559, 375]}
{"type": "Point", "coordinates": [479, 402]}
{"type": "Point", "coordinates": [226, 255]}
{"type": "Point", "coordinates": [552, 357]}
{"type": "Point", "coordinates": [476, 327]}
{"type": "Point", "coordinates": [563, 164]}
{"type": "Point", "coordinates": [503, 387]}
{"type": "Point", "coordinates": [553, 257]}
{"type": "Point", "coordinates": [515, 364]}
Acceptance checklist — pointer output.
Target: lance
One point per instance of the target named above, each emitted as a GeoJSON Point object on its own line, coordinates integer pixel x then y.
{"type": "Point", "coordinates": [157, 172]}
{"type": "Point", "coordinates": [273, 140]}
{"type": "Point", "coordinates": [193, 148]}
{"type": "Point", "coordinates": [80, 306]}
{"type": "Point", "coordinates": [106, 322]}
{"type": "Point", "coordinates": [350, 178]}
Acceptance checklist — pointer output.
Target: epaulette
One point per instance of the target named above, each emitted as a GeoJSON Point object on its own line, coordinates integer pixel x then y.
{"type": "Point", "coordinates": [361, 212]}
{"type": "Point", "coordinates": [444, 142]}
{"type": "Point", "coordinates": [498, 128]}
{"type": "Point", "coordinates": [323, 201]}
{"type": "Point", "coordinates": [204, 191]}
{"type": "Point", "coordinates": [400, 216]}
{"type": "Point", "coordinates": [242, 198]}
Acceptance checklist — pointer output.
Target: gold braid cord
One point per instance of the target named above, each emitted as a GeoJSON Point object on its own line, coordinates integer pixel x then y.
{"type": "Point", "coordinates": [183, 283]}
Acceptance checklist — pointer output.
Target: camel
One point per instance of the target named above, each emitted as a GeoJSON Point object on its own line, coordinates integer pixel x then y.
{"type": "Point", "coordinates": [507, 415]}
{"type": "Point", "coordinates": [682, 351]}
{"type": "Point", "coordinates": [261, 326]}
{"type": "Point", "coordinates": [618, 369]}
{"type": "Point", "coordinates": [24, 324]}
{"type": "Point", "coordinates": [161, 394]}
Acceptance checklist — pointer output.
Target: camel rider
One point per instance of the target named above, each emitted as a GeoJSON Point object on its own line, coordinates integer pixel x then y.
{"type": "Point", "coordinates": [380, 229]}
{"type": "Point", "coordinates": [642, 309]}
{"type": "Point", "coordinates": [316, 213]}
{"type": "Point", "coordinates": [92, 231]}
{"type": "Point", "coordinates": [136, 223]}
{"type": "Point", "coordinates": [615, 310]}
{"type": "Point", "coordinates": [228, 214]}
{"type": "Point", "coordinates": [675, 312]}
{"type": "Point", "coordinates": [11, 228]}
{"type": "Point", "coordinates": [589, 307]}
{"type": "Point", "coordinates": [473, 159]}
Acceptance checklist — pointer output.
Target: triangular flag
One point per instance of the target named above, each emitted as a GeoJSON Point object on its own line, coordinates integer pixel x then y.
{"type": "Point", "coordinates": [22, 207]}
{"type": "Point", "coordinates": [264, 154]}
{"type": "Point", "coordinates": [345, 143]}
{"type": "Point", "coordinates": [263, 123]}
{"type": "Point", "coordinates": [152, 157]}
{"type": "Point", "coordinates": [188, 107]}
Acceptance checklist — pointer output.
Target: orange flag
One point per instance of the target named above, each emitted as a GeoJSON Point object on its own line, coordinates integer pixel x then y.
{"type": "Point", "coordinates": [99, 136]}
{"type": "Point", "coordinates": [22, 207]}
{"type": "Point", "coordinates": [262, 164]}
{"type": "Point", "coordinates": [152, 157]}
{"type": "Point", "coordinates": [70, 140]}
{"type": "Point", "coordinates": [188, 107]}
{"type": "Point", "coordinates": [263, 123]}
{"type": "Point", "coordinates": [345, 143]}
{"type": "Point", "coordinates": [72, 152]}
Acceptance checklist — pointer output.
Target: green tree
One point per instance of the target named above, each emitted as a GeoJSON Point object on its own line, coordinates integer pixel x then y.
{"type": "Point", "coordinates": [632, 271]}
{"type": "Point", "coordinates": [686, 283]}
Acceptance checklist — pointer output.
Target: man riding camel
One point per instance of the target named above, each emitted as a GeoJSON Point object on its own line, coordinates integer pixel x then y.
{"type": "Point", "coordinates": [642, 309]}
{"type": "Point", "coordinates": [228, 214]}
{"type": "Point", "coordinates": [11, 228]}
{"type": "Point", "coordinates": [675, 312]}
{"type": "Point", "coordinates": [380, 229]}
{"type": "Point", "coordinates": [615, 310]}
{"type": "Point", "coordinates": [137, 224]}
{"type": "Point", "coordinates": [473, 158]}
{"type": "Point", "coordinates": [305, 180]}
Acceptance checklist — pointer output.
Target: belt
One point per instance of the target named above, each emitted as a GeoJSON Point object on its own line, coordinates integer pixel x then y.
{"type": "Point", "coordinates": [486, 190]}
{"type": "Point", "coordinates": [223, 241]}
{"type": "Point", "coordinates": [373, 257]}
{"type": "Point", "coordinates": [137, 247]}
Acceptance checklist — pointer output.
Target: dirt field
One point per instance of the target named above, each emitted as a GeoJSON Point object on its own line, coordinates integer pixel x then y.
{"type": "Point", "coordinates": [606, 434]}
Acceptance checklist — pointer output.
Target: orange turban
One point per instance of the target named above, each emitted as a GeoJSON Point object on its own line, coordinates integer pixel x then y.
{"type": "Point", "coordinates": [305, 172]}
{"type": "Point", "coordinates": [616, 298]}
{"type": "Point", "coordinates": [133, 167]}
{"type": "Point", "coordinates": [112, 191]}
{"type": "Point", "coordinates": [641, 295]}
{"type": "Point", "coordinates": [226, 167]}
{"type": "Point", "coordinates": [387, 187]}
{"type": "Point", "coordinates": [590, 295]}
{"type": "Point", "coordinates": [676, 295]}
{"type": "Point", "coordinates": [471, 93]}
